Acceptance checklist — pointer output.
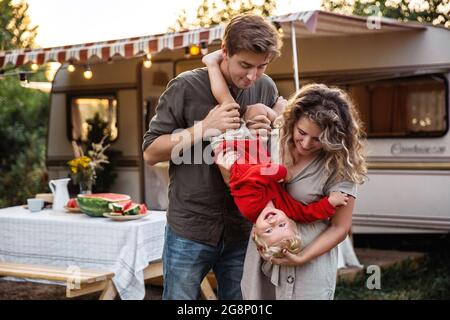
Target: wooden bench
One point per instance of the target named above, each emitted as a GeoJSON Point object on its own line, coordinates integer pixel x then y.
{"type": "Point", "coordinates": [154, 271]}
{"type": "Point", "coordinates": [78, 281]}
{"type": "Point", "coordinates": [81, 281]}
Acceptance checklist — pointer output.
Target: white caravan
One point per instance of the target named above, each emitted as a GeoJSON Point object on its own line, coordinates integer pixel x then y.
{"type": "Point", "coordinates": [397, 73]}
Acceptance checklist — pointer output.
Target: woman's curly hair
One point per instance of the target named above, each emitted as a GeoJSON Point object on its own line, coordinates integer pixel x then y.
{"type": "Point", "coordinates": [332, 110]}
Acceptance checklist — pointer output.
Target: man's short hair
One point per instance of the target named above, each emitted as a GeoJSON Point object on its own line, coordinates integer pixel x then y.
{"type": "Point", "coordinates": [251, 33]}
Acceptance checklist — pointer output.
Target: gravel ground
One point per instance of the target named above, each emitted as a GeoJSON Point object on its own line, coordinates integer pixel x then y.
{"type": "Point", "coordinates": [10, 290]}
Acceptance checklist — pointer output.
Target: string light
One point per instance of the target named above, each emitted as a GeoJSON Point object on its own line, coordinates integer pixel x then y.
{"type": "Point", "coordinates": [51, 70]}
{"type": "Point", "coordinates": [34, 66]}
{"type": "Point", "coordinates": [204, 48]}
{"type": "Point", "coordinates": [87, 74]}
{"type": "Point", "coordinates": [194, 50]}
{"type": "Point", "coordinates": [23, 77]}
{"type": "Point", "coordinates": [278, 27]}
{"type": "Point", "coordinates": [148, 61]}
{"type": "Point", "coordinates": [71, 67]}
{"type": "Point", "coordinates": [186, 53]}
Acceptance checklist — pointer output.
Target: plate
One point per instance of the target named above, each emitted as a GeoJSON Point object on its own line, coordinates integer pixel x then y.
{"type": "Point", "coordinates": [124, 218]}
{"type": "Point", "coordinates": [72, 210]}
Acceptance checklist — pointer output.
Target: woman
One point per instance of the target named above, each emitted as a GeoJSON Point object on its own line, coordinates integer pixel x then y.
{"type": "Point", "coordinates": [320, 142]}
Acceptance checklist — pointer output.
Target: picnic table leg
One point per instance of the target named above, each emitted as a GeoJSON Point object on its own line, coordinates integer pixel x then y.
{"type": "Point", "coordinates": [207, 291]}
{"type": "Point", "coordinates": [110, 292]}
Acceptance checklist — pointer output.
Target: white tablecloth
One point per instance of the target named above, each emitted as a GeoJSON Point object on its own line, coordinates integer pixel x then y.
{"type": "Point", "coordinates": [76, 240]}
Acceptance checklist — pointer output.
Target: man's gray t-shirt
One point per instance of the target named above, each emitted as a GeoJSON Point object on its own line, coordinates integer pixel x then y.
{"type": "Point", "coordinates": [200, 205]}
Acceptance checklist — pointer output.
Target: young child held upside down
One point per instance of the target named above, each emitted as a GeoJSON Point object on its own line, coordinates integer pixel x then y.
{"type": "Point", "coordinates": [254, 180]}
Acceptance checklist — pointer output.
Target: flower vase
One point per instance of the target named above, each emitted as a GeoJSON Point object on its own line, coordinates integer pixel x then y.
{"type": "Point", "coordinates": [85, 187]}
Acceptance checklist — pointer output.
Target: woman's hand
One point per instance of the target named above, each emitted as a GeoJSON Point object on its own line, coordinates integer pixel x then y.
{"type": "Point", "coordinates": [338, 199]}
{"type": "Point", "coordinates": [289, 259]}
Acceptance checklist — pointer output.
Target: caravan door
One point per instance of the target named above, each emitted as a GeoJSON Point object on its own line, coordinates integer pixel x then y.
{"type": "Point", "coordinates": [156, 178]}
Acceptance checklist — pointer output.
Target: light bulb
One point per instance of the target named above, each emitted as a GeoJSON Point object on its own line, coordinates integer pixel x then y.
{"type": "Point", "coordinates": [71, 68]}
{"type": "Point", "coordinates": [204, 48]}
{"type": "Point", "coordinates": [87, 74]}
{"type": "Point", "coordinates": [147, 64]}
{"type": "Point", "coordinates": [34, 66]}
{"type": "Point", "coordinates": [23, 78]}
{"type": "Point", "coordinates": [194, 50]}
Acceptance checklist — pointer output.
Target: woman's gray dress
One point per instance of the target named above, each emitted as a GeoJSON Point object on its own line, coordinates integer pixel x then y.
{"type": "Point", "coordinates": [314, 280]}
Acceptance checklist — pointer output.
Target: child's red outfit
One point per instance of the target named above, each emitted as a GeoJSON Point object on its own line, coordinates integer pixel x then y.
{"type": "Point", "coordinates": [254, 182]}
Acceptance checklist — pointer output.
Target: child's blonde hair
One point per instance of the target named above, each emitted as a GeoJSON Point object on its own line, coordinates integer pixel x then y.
{"type": "Point", "coordinates": [292, 244]}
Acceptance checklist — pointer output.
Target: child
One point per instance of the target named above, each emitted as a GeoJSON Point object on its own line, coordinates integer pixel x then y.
{"type": "Point", "coordinates": [254, 179]}
{"type": "Point", "coordinates": [262, 200]}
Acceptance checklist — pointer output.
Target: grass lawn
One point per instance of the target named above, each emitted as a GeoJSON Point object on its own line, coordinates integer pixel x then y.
{"type": "Point", "coordinates": [431, 280]}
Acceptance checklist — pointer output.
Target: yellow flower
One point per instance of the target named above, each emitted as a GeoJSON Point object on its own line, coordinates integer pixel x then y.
{"type": "Point", "coordinates": [82, 168]}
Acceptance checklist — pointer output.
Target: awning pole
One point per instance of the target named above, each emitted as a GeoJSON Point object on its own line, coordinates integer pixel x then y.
{"type": "Point", "coordinates": [294, 56]}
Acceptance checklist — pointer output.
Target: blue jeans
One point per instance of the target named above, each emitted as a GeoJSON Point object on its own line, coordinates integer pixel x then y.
{"type": "Point", "coordinates": [187, 262]}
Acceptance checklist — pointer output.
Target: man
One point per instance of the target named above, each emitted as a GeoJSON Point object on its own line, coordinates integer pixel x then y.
{"type": "Point", "coordinates": [205, 229]}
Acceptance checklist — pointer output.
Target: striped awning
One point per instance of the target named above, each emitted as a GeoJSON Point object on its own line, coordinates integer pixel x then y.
{"type": "Point", "coordinates": [308, 23]}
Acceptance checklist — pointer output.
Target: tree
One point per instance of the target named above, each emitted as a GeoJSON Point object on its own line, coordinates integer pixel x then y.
{"type": "Point", "coordinates": [23, 116]}
{"type": "Point", "coordinates": [15, 29]}
{"type": "Point", "coordinates": [212, 12]}
{"type": "Point", "coordinates": [436, 12]}
{"type": "Point", "coordinates": [23, 131]}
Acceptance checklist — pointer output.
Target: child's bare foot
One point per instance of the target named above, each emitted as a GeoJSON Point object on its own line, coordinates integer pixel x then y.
{"type": "Point", "coordinates": [279, 105]}
{"type": "Point", "coordinates": [338, 199]}
{"type": "Point", "coordinates": [213, 58]}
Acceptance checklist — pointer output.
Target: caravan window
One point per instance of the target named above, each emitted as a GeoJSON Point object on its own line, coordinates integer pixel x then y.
{"type": "Point", "coordinates": [408, 107]}
{"type": "Point", "coordinates": [93, 115]}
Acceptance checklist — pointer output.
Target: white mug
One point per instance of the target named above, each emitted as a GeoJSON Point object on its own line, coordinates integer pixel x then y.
{"type": "Point", "coordinates": [35, 205]}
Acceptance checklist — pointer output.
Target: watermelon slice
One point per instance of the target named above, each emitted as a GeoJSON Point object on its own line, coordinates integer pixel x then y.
{"type": "Point", "coordinates": [142, 209]}
{"type": "Point", "coordinates": [120, 206]}
{"type": "Point", "coordinates": [72, 203]}
{"type": "Point", "coordinates": [132, 210]}
{"type": "Point", "coordinates": [96, 204]}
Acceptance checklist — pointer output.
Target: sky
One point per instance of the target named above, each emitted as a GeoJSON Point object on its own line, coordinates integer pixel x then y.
{"type": "Point", "coordinates": [63, 22]}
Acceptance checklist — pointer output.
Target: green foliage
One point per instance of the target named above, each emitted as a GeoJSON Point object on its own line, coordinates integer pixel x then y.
{"type": "Point", "coordinates": [23, 131]}
{"type": "Point", "coordinates": [15, 29]}
{"type": "Point", "coordinates": [212, 12]}
{"type": "Point", "coordinates": [436, 12]}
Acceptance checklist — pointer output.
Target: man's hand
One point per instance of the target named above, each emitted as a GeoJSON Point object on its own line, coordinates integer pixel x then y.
{"type": "Point", "coordinates": [259, 124]}
{"type": "Point", "coordinates": [221, 118]}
